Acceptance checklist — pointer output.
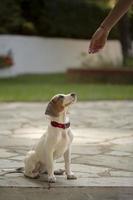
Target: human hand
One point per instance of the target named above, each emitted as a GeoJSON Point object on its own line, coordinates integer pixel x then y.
{"type": "Point", "coordinates": [98, 40]}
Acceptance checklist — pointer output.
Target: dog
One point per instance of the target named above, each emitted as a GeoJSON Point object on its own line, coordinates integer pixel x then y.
{"type": "Point", "coordinates": [56, 142]}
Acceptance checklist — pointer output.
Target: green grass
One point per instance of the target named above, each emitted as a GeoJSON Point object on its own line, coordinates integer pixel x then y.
{"type": "Point", "coordinates": [43, 87]}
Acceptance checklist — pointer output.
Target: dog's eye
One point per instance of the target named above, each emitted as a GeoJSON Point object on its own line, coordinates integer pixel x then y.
{"type": "Point", "coordinates": [61, 96]}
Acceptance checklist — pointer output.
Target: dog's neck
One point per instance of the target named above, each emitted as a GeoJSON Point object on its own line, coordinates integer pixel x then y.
{"type": "Point", "coordinates": [63, 118]}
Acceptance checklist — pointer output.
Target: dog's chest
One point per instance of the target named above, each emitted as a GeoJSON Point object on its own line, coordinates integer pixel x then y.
{"type": "Point", "coordinates": [62, 144]}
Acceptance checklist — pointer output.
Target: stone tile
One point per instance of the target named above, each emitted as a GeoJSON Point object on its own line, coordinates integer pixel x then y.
{"type": "Point", "coordinates": [88, 136]}
{"type": "Point", "coordinates": [119, 153]}
{"type": "Point", "coordinates": [121, 173]}
{"type": "Point", "coordinates": [127, 140]}
{"type": "Point", "coordinates": [22, 182]}
{"type": "Point", "coordinates": [101, 182]}
{"type": "Point", "coordinates": [7, 126]}
{"type": "Point", "coordinates": [122, 147]}
{"type": "Point", "coordinates": [84, 171]}
{"type": "Point", "coordinates": [20, 150]}
{"type": "Point", "coordinates": [15, 142]}
{"type": "Point", "coordinates": [14, 175]}
{"type": "Point", "coordinates": [86, 149]}
{"type": "Point", "coordinates": [5, 132]}
{"type": "Point", "coordinates": [29, 136]}
{"type": "Point", "coordinates": [62, 182]}
{"type": "Point", "coordinates": [73, 156]}
{"type": "Point", "coordinates": [125, 163]}
{"type": "Point", "coordinates": [6, 154]}
{"type": "Point", "coordinates": [116, 114]}
{"type": "Point", "coordinates": [18, 158]}
{"type": "Point", "coordinates": [6, 163]}
{"type": "Point", "coordinates": [29, 130]}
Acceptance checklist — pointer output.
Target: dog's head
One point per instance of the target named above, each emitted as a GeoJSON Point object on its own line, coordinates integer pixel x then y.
{"type": "Point", "coordinates": [59, 104]}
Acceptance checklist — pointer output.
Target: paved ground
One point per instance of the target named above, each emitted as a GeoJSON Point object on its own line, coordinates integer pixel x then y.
{"type": "Point", "coordinates": [102, 152]}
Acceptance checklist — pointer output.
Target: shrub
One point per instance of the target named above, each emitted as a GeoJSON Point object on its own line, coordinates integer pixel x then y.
{"type": "Point", "coordinates": [10, 16]}
{"type": "Point", "coordinates": [65, 18]}
{"type": "Point", "coordinates": [28, 28]}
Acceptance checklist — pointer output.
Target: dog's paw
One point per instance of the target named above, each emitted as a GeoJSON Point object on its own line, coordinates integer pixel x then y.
{"type": "Point", "coordinates": [32, 175]}
{"type": "Point", "coordinates": [51, 179]}
{"type": "Point", "coordinates": [71, 177]}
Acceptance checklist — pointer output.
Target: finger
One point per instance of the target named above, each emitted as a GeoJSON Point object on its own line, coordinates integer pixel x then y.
{"type": "Point", "coordinates": [94, 46]}
{"type": "Point", "coordinates": [95, 49]}
{"type": "Point", "coordinates": [91, 49]}
{"type": "Point", "coordinates": [91, 44]}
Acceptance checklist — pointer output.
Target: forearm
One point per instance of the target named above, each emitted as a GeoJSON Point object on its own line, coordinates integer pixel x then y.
{"type": "Point", "coordinates": [119, 10]}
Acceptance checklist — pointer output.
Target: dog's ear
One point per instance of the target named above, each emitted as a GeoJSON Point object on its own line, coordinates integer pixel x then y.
{"type": "Point", "coordinates": [51, 110]}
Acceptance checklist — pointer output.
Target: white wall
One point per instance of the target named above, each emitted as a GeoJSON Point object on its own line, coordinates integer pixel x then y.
{"type": "Point", "coordinates": [46, 55]}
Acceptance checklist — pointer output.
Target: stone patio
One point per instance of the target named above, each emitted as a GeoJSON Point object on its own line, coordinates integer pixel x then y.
{"type": "Point", "coordinates": [102, 152]}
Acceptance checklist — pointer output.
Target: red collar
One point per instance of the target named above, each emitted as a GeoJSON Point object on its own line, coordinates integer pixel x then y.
{"type": "Point", "coordinates": [59, 125]}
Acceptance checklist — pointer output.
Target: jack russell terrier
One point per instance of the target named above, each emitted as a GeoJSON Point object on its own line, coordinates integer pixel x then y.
{"type": "Point", "coordinates": [56, 142]}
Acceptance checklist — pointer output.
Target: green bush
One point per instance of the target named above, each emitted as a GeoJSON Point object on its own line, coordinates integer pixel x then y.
{"type": "Point", "coordinates": [65, 18]}
{"type": "Point", "coordinates": [28, 28]}
{"type": "Point", "coordinates": [10, 16]}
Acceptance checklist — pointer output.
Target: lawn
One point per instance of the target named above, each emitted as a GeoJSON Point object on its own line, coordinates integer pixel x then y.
{"type": "Point", "coordinates": [43, 87]}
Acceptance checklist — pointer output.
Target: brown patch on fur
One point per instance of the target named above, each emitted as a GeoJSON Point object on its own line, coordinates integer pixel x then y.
{"type": "Point", "coordinates": [54, 107]}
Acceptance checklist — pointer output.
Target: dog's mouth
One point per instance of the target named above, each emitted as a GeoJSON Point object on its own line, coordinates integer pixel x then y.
{"type": "Point", "coordinates": [74, 99]}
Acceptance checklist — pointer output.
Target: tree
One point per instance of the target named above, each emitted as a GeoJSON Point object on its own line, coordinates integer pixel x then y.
{"type": "Point", "coordinates": [10, 16]}
{"type": "Point", "coordinates": [124, 35]}
{"type": "Point", "coordinates": [125, 38]}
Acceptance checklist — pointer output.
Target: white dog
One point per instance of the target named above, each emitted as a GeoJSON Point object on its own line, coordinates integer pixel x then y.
{"type": "Point", "coordinates": [56, 142]}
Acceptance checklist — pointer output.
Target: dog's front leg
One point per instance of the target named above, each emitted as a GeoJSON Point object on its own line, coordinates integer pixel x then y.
{"type": "Point", "coordinates": [67, 159]}
{"type": "Point", "coordinates": [50, 168]}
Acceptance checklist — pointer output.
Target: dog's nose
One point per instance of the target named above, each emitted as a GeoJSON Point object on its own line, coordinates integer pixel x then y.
{"type": "Point", "coordinates": [73, 94]}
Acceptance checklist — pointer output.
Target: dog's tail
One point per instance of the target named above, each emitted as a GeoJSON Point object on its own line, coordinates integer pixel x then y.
{"type": "Point", "coordinates": [20, 169]}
